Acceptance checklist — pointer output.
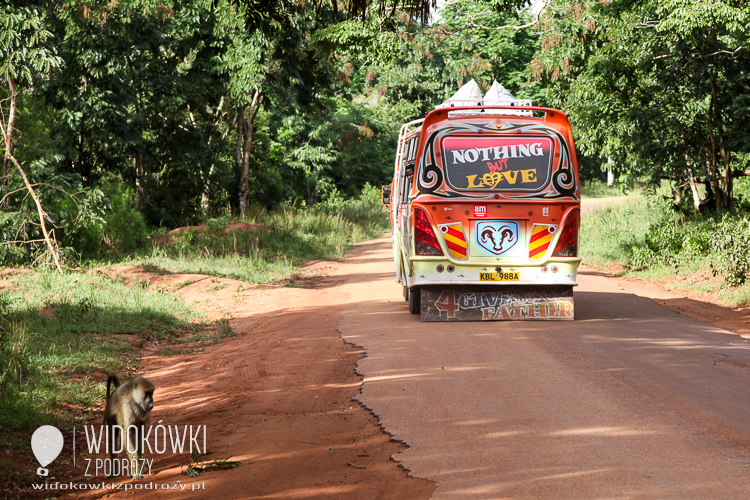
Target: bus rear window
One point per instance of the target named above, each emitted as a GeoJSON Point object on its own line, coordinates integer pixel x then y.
{"type": "Point", "coordinates": [497, 163]}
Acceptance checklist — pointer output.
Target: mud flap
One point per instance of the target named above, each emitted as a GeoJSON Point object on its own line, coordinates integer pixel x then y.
{"type": "Point", "coordinates": [487, 303]}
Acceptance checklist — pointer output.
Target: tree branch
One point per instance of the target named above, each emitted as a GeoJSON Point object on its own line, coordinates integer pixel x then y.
{"type": "Point", "coordinates": [41, 212]}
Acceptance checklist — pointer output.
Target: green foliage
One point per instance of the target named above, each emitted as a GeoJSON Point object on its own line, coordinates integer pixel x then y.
{"type": "Point", "coordinates": [646, 236]}
{"type": "Point", "coordinates": [124, 230]}
{"type": "Point", "coordinates": [86, 222]}
{"type": "Point", "coordinates": [11, 228]}
{"type": "Point", "coordinates": [150, 104]}
{"type": "Point", "coordinates": [24, 44]}
{"type": "Point", "coordinates": [337, 152]}
{"type": "Point", "coordinates": [369, 39]}
{"type": "Point", "coordinates": [422, 66]}
{"type": "Point", "coordinates": [731, 242]}
{"type": "Point", "coordinates": [662, 88]}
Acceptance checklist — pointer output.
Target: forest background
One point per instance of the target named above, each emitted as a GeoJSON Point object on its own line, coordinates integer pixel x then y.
{"type": "Point", "coordinates": [141, 115]}
{"type": "Point", "coordinates": [269, 125]}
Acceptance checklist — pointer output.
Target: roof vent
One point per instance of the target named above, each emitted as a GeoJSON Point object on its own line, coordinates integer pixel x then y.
{"type": "Point", "coordinates": [470, 95]}
{"type": "Point", "coordinates": [498, 93]}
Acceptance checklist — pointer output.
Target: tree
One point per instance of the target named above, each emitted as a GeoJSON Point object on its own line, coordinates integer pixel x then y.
{"type": "Point", "coordinates": [24, 51]}
{"type": "Point", "coordinates": [140, 95]}
{"type": "Point", "coordinates": [417, 67]}
{"type": "Point", "coordinates": [660, 87]}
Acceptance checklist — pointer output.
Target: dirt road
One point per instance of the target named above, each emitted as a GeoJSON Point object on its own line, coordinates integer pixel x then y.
{"type": "Point", "coordinates": [631, 400]}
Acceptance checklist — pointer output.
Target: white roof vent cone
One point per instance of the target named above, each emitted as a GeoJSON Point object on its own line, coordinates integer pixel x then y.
{"type": "Point", "coordinates": [468, 95]}
{"type": "Point", "coordinates": [498, 93]}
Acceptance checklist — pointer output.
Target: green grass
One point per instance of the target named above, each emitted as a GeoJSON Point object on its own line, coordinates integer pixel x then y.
{"type": "Point", "coordinates": [284, 239]}
{"type": "Point", "coordinates": [645, 239]}
{"type": "Point", "coordinates": [609, 234]}
{"type": "Point", "coordinates": [57, 329]}
{"type": "Point", "coordinates": [599, 189]}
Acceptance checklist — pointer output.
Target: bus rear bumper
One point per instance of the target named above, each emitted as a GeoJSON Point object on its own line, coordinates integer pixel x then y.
{"type": "Point", "coordinates": [493, 303]}
{"type": "Point", "coordinates": [551, 273]}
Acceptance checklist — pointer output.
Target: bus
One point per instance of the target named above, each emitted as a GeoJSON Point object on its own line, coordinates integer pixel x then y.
{"type": "Point", "coordinates": [485, 210]}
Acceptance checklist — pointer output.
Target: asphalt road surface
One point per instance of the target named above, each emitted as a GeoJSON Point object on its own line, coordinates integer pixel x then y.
{"type": "Point", "coordinates": [630, 400]}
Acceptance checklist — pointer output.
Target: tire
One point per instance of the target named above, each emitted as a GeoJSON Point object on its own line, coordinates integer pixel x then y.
{"type": "Point", "coordinates": [415, 299]}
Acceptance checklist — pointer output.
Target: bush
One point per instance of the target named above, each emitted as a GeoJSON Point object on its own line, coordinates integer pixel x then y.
{"type": "Point", "coordinates": [79, 222]}
{"type": "Point", "coordinates": [124, 229]}
{"type": "Point", "coordinates": [658, 236]}
{"type": "Point", "coordinates": [731, 243]}
{"type": "Point", "coordinates": [12, 254]}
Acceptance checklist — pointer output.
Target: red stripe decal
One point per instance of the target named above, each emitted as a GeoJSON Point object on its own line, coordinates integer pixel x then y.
{"type": "Point", "coordinates": [539, 234]}
{"type": "Point", "coordinates": [455, 247]}
{"type": "Point", "coordinates": [539, 250]}
{"type": "Point", "coordinates": [456, 233]}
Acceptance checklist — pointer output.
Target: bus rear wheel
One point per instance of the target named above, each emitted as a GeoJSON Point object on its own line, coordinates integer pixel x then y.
{"type": "Point", "coordinates": [415, 299]}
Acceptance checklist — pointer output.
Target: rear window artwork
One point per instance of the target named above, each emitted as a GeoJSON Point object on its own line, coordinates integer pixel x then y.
{"type": "Point", "coordinates": [498, 163]}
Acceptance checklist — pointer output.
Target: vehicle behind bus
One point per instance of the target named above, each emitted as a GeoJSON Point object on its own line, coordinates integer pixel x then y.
{"type": "Point", "coordinates": [485, 209]}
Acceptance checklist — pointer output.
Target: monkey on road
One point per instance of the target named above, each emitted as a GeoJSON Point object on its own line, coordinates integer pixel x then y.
{"type": "Point", "coordinates": [129, 405]}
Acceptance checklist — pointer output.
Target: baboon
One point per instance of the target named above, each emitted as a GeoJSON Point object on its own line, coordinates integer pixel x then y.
{"type": "Point", "coordinates": [129, 404]}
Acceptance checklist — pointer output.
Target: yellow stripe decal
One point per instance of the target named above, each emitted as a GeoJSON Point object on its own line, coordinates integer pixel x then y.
{"type": "Point", "coordinates": [539, 240]}
{"type": "Point", "coordinates": [458, 241]}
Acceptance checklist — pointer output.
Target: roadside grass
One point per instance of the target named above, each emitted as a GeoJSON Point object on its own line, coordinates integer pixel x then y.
{"type": "Point", "coordinates": [599, 189]}
{"type": "Point", "coordinates": [644, 238]}
{"type": "Point", "coordinates": [59, 330]}
{"type": "Point", "coordinates": [609, 234]}
{"type": "Point", "coordinates": [283, 240]}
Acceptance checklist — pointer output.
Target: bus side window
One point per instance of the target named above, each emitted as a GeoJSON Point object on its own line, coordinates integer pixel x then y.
{"type": "Point", "coordinates": [410, 158]}
{"type": "Point", "coordinates": [408, 170]}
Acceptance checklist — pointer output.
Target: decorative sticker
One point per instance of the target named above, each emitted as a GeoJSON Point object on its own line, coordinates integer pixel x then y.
{"type": "Point", "coordinates": [472, 303]}
{"type": "Point", "coordinates": [480, 211]}
{"type": "Point", "coordinates": [437, 176]}
{"type": "Point", "coordinates": [541, 236]}
{"type": "Point", "coordinates": [455, 239]}
{"type": "Point", "coordinates": [497, 237]}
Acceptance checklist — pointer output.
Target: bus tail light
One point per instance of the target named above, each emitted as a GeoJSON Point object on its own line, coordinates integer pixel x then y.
{"type": "Point", "coordinates": [567, 245]}
{"type": "Point", "coordinates": [426, 243]}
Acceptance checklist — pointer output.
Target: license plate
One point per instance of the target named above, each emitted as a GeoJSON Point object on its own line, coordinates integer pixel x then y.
{"type": "Point", "coordinates": [498, 276]}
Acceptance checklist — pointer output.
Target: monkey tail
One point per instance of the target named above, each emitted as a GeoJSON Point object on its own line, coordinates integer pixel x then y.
{"type": "Point", "coordinates": [113, 380]}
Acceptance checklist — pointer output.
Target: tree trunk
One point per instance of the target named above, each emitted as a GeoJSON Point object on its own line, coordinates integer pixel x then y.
{"type": "Point", "coordinates": [238, 150]}
{"type": "Point", "coordinates": [694, 191]}
{"type": "Point", "coordinates": [206, 194]}
{"type": "Point", "coordinates": [8, 136]}
{"type": "Point", "coordinates": [205, 197]}
{"type": "Point", "coordinates": [140, 183]}
{"type": "Point", "coordinates": [711, 162]}
{"type": "Point", "coordinates": [243, 152]}
{"type": "Point", "coordinates": [610, 173]}
{"type": "Point", "coordinates": [722, 183]}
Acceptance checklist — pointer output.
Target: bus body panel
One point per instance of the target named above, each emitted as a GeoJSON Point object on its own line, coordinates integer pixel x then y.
{"type": "Point", "coordinates": [484, 200]}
